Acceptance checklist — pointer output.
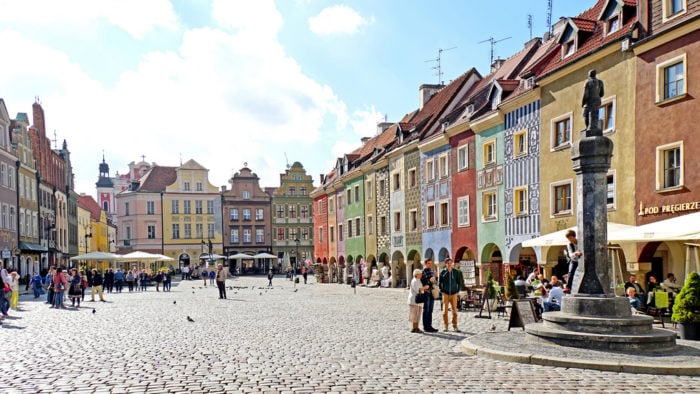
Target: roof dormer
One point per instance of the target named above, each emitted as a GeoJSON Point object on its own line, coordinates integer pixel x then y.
{"type": "Point", "coordinates": [575, 33]}
{"type": "Point", "coordinates": [612, 16]}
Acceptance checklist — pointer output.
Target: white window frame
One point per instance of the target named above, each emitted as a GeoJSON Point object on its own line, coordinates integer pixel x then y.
{"type": "Point", "coordinates": [484, 147]}
{"type": "Point", "coordinates": [383, 225]}
{"type": "Point", "coordinates": [397, 221]}
{"type": "Point", "coordinates": [412, 179]}
{"type": "Point", "coordinates": [368, 190]}
{"type": "Point", "coordinates": [553, 198]}
{"type": "Point", "coordinates": [613, 174]}
{"type": "Point", "coordinates": [660, 170]}
{"type": "Point", "coordinates": [463, 219]}
{"type": "Point", "coordinates": [430, 220]}
{"type": "Point", "coordinates": [430, 169]}
{"type": "Point", "coordinates": [612, 102]}
{"type": "Point", "coordinates": [444, 221]}
{"type": "Point", "coordinates": [553, 131]}
{"type": "Point", "coordinates": [661, 78]}
{"type": "Point", "coordinates": [463, 151]}
{"type": "Point", "coordinates": [370, 225]}
{"type": "Point", "coordinates": [666, 10]}
{"type": "Point", "coordinates": [517, 152]}
{"type": "Point", "coordinates": [396, 180]}
{"type": "Point", "coordinates": [413, 220]}
{"type": "Point", "coordinates": [516, 198]}
{"type": "Point", "coordinates": [489, 218]}
{"type": "Point", "coordinates": [444, 166]}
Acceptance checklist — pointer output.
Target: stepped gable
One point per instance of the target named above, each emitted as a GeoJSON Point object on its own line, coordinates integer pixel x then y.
{"type": "Point", "coordinates": [592, 37]}
{"type": "Point", "coordinates": [157, 179]}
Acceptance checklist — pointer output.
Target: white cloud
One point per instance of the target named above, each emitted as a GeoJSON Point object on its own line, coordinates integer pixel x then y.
{"type": "Point", "coordinates": [226, 95]}
{"type": "Point", "coordinates": [136, 17]}
{"type": "Point", "coordinates": [337, 19]}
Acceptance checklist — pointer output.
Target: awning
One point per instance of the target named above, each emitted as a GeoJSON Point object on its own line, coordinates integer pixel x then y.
{"type": "Point", "coordinates": [30, 247]}
{"type": "Point", "coordinates": [679, 228]}
{"type": "Point", "coordinates": [558, 238]}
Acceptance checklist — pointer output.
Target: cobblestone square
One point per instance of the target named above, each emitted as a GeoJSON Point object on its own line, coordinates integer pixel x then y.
{"type": "Point", "coordinates": [305, 339]}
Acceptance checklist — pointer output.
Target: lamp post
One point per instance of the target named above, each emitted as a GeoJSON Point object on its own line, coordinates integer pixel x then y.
{"type": "Point", "coordinates": [88, 235]}
{"type": "Point", "coordinates": [296, 260]}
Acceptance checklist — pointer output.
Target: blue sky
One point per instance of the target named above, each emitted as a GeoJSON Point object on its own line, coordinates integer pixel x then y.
{"type": "Point", "coordinates": [233, 82]}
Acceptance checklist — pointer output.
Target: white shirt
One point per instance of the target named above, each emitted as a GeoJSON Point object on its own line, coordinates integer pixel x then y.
{"type": "Point", "coordinates": [557, 293]}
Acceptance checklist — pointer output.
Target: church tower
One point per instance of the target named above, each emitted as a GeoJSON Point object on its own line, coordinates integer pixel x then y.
{"type": "Point", "coordinates": [105, 190]}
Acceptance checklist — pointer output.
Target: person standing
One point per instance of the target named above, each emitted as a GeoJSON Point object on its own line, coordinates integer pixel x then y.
{"type": "Point", "coordinates": [428, 279]}
{"type": "Point", "coordinates": [109, 280]}
{"type": "Point", "coordinates": [37, 285]}
{"type": "Point", "coordinates": [48, 282]}
{"type": "Point", "coordinates": [130, 281]}
{"type": "Point", "coordinates": [572, 254]}
{"type": "Point", "coordinates": [212, 277]}
{"type": "Point", "coordinates": [451, 282]}
{"type": "Point", "coordinates": [60, 284]}
{"type": "Point", "coordinates": [75, 290]}
{"type": "Point", "coordinates": [269, 278]}
{"type": "Point", "coordinates": [414, 308]}
{"type": "Point", "coordinates": [167, 281]}
{"type": "Point", "coordinates": [14, 287]}
{"type": "Point", "coordinates": [205, 276]}
{"type": "Point", "coordinates": [221, 281]}
{"type": "Point", "coordinates": [96, 285]}
{"type": "Point", "coordinates": [119, 280]}
{"type": "Point", "coordinates": [304, 273]}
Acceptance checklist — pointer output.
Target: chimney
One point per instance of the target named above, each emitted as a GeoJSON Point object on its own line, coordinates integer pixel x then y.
{"type": "Point", "coordinates": [382, 126]}
{"type": "Point", "coordinates": [364, 140]}
{"type": "Point", "coordinates": [223, 188]}
{"type": "Point", "coordinates": [425, 92]}
{"type": "Point", "coordinates": [497, 64]}
{"type": "Point", "coordinates": [643, 16]}
{"type": "Point", "coordinates": [322, 179]}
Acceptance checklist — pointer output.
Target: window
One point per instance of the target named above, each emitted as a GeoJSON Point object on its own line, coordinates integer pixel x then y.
{"type": "Point", "coordinates": [127, 236]}
{"type": "Point", "coordinates": [259, 235]}
{"type": "Point", "coordinates": [370, 225]}
{"type": "Point", "coordinates": [670, 78]}
{"type": "Point", "coordinates": [234, 213]}
{"type": "Point", "coordinates": [489, 208]}
{"type": "Point", "coordinates": [304, 233]}
{"type": "Point", "coordinates": [520, 201]}
{"type": "Point", "coordinates": [13, 220]}
{"type": "Point", "coordinates": [246, 214]}
{"type": "Point", "coordinates": [319, 207]}
{"type": "Point", "coordinates": [11, 180]}
{"type": "Point", "coordinates": [444, 169]}
{"type": "Point", "coordinates": [561, 131]}
{"type": "Point", "coordinates": [331, 234]}
{"type": "Point", "coordinates": [610, 189]}
{"type": "Point", "coordinates": [462, 157]}
{"type": "Point", "coordinates": [613, 24]}
{"type": "Point", "coordinates": [175, 206]}
{"type": "Point", "coordinates": [188, 231]}
{"type": "Point", "coordinates": [520, 143]}
{"type": "Point", "coordinates": [669, 166]}
{"type": "Point", "coordinates": [187, 205]}
{"type": "Point", "coordinates": [320, 234]}
{"type": "Point", "coordinates": [430, 216]}
{"type": "Point", "coordinates": [280, 211]}
{"type": "Point", "coordinates": [126, 209]}
{"type": "Point", "coordinates": [198, 207]}
{"type": "Point", "coordinates": [210, 207]}
{"type": "Point", "coordinates": [357, 193]}
{"type": "Point", "coordinates": [430, 169]}
{"type": "Point", "coordinates": [561, 194]}
{"type": "Point", "coordinates": [302, 190]}
{"type": "Point", "coordinates": [673, 8]}
{"type": "Point", "coordinates": [280, 233]}
{"type": "Point", "coordinates": [606, 115]}
{"type": "Point", "coordinates": [463, 211]}
{"type": "Point", "coordinates": [304, 211]}
{"type": "Point", "coordinates": [397, 180]}
{"type": "Point", "coordinates": [340, 233]}
{"type": "Point", "coordinates": [397, 221]}
{"type": "Point", "coordinates": [176, 231]}
{"type": "Point", "coordinates": [340, 201]}
{"type": "Point", "coordinates": [246, 195]}
{"type": "Point", "coordinates": [331, 204]}
{"type": "Point", "coordinates": [489, 152]}
{"type": "Point", "coordinates": [199, 230]}
{"type": "Point", "coordinates": [350, 228]}
{"type": "Point", "coordinates": [259, 214]}
{"type": "Point", "coordinates": [444, 214]}
{"type": "Point", "coordinates": [382, 186]}
{"type": "Point", "coordinates": [349, 196]}
{"type": "Point", "coordinates": [187, 186]}
{"type": "Point", "coordinates": [247, 234]}
{"type": "Point", "coordinates": [368, 189]}
{"type": "Point", "coordinates": [151, 229]}
{"type": "Point", "coordinates": [569, 48]}
{"type": "Point", "coordinates": [292, 191]}
{"type": "Point", "coordinates": [357, 227]}
{"type": "Point", "coordinates": [292, 211]}
{"type": "Point", "coordinates": [411, 178]}
{"type": "Point", "coordinates": [199, 186]}
{"type": "Point", "coordinates": [412, 220]}
{"type": "Point", "coordinates": [150, 207]}
{"type": "Point", "coordinates": [234, 236]}
{"type": "Point", "coordinates": [382, 225]}
{"type": "Point", "coordinates": [210, 230]}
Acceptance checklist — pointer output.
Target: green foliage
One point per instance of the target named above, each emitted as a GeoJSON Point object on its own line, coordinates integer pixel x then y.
{"type": "Point", "coordinates": [490, 288]}
{"type": "Point", "coordinates": [686, 306]}
{"type": "Point", "coordinates": [511, 291]}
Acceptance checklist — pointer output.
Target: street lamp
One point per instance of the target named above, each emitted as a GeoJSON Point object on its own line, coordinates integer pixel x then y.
{"type": "Point", "coordinates": [296, 260]}
{"type": "Point", "coordinates": [89, 235]}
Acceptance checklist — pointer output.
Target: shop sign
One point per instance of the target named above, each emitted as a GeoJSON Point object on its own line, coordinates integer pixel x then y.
{"type": "Point", "coordinates": [666, 209]}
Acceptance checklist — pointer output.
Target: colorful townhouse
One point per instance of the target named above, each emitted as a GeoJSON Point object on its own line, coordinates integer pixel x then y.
{"type": "Point", "coordinates": [596, 39]}
{"type": "Point", "coordinates": [667, 181]}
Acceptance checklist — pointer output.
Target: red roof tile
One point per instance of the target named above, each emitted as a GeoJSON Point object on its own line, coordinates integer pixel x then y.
{"type": "Point", "coordinates": [88, 203]}
{"type": "Point", "coordinates": [583, 24]}
{"type": "Point", "coordinates": [157, 179]}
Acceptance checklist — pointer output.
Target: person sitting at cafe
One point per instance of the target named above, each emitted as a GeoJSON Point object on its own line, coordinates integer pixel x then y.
{"type": "Point", "coordinates": [552, 302]}
{"type": "Point", "coordinates": [637, 289]}
{"type": "Point", "coordinates": [653, 284]}
{"type": "Point", "coordinates": [634, 301]}
{"type": "Point", "coordinates": [670, 284]}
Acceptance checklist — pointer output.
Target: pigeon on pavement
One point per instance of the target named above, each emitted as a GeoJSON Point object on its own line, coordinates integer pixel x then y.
{"type": "Point", "coordinates": [174, 302]}
{"type": "Point", "coordinates": [189, 319]}
{"type": "Point", "coordinates": [93, 310]}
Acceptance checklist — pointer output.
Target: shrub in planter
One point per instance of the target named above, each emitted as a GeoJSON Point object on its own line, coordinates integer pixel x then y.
{"type": "Point", "coordinates": [511, 291]}
{"type": "Point", "coordinates": [686, 307]}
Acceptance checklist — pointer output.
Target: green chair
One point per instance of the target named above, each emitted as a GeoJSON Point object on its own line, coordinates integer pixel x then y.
{"type": "Point", "coordinates": [660, 308]}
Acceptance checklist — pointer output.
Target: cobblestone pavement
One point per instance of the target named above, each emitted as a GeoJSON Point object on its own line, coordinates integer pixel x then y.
{"type": "Point", "coordinates": [317, 338]}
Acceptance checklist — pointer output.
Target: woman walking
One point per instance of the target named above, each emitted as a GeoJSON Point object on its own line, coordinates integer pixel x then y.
{"type": "Point", "coordinates": [60, 284]}
{"type": "Point", "coordinates": [75, 291]}
{"type": "Point", "coordinates": [14, 287]}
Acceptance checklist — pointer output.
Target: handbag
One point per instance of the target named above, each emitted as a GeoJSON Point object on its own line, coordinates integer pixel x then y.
{"type": "Point", "coordinates": [421, 298]}
{"type": "Point", "coordinates": [435, 291]}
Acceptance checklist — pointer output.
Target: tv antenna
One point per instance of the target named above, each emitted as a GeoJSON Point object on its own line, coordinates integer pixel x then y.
{"type": "Point", "coordinates": [529, 24]}
{"type": "Point", "coordinates": [438, 66]}
{"type": "Point", "coordinates": [286, 160]}
{"type": "Point", "coordinates": [493, 44]}
{"type": "Point", "coordinates": [549, 16]}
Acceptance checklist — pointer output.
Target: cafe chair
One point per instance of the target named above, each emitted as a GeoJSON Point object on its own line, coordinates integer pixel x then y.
{"type": "Point", "coordinates": [660, 307]}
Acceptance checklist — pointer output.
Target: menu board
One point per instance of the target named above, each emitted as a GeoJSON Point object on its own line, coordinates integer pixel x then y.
{"type": "Point", "coordinates": [468, 271]}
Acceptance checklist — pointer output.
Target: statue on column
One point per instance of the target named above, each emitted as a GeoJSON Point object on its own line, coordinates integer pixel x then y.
{"type": "Point", "coordinates": [593, 90]}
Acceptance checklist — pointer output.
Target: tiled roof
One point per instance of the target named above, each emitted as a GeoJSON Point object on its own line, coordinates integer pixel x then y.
{"type": "Point", "coordinates": [584, 24]}
{"type": "Point", "coordinates": [88, 203]}
{"type": "Point", "coordinates": [157, 179]}
{"type": "Point", "coordinates": [593, 41]}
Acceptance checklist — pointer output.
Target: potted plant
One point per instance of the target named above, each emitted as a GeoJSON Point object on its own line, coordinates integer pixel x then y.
{"type": "Point", "coordinates": [511, 291]}
{"type": "Point", "coordinates": [490, 291]}
{"type": "Point", "coordinates": [686, 308]}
